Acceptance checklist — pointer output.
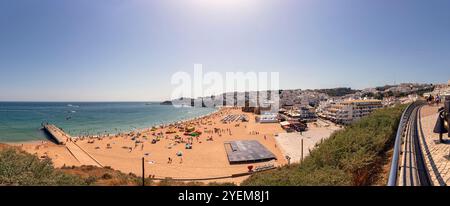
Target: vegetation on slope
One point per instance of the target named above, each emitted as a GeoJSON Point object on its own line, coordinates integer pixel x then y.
{"type": "Point", "coordinates": [20, 168]}
{"type": "Point", "coordinates": [352, 156]}
{"type": "Point", "coordinates": [105, 176]}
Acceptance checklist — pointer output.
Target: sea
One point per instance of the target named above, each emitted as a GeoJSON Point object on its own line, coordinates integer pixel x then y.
{"type": "Point", "coordinates": [21, 121]}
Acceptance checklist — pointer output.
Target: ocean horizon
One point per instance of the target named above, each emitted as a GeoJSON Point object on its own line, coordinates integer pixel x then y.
{"type": "Point", "coordinates": [21, 120]}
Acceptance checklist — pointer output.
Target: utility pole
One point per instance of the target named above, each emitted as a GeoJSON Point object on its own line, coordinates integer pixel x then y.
{"type": "Point", "coordinates": [302, 152]}
{"type": "Point", "coordinates": [288, 159]}
{"type": "Point", "coordinates": [143, 172]}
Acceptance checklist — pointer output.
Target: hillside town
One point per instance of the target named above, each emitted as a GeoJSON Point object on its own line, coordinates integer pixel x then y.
{"type": "Point", "coordinates": [342, 106]}
{"type": "Point", "coordinates": [347, 105]}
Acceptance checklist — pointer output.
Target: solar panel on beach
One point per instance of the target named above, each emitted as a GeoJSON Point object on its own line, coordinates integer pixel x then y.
{"type": "Point", "coordinates": [244, 151]}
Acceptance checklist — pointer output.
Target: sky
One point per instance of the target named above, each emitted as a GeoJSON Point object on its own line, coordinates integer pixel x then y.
{"type": "Point", "coordinates": [128, 50]}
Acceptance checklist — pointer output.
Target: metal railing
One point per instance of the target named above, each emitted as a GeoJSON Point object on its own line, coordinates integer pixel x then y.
{"type": "Point", "coordinates": [393, 174]}
{"type": "Point", "coordinates": [412, 169]}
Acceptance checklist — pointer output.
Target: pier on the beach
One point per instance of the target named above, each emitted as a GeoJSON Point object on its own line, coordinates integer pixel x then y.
{"type": "Point", "coordinates": [57, 134]}
{"type": "Point", "coordinates": [77, 152]}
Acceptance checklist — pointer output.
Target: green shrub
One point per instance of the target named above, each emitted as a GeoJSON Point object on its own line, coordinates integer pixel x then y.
{"type": "Point", "coordinates": [20, 168]}
{"type": "Point", "coordinates": [107, 176]}
{"type": "Point", "coordinates": [352, 156]}
{"type": "Point", "coordinates": [90, 180]}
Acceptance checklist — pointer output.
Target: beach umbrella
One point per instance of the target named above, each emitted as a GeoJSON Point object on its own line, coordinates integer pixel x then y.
{"type": "Point", "coordinates": [179, 153]}
{"type": "Point", "coordinates": [188, 146]}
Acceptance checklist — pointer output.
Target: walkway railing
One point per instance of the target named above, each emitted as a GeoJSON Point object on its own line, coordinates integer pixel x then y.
{"type": "Point", "coordinates": [407, 168]}
{"type": "Point", "coordinates": [393, 174]}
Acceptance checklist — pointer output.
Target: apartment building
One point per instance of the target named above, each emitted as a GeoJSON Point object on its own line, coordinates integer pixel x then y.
{"type": "Point", "coordinates": [307, 114]}
{"type": "Point", "coordinates": [345, 112]}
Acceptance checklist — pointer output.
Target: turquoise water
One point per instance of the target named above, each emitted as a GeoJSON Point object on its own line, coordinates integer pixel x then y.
{"type": "Point", "coordinates": [21, 121]}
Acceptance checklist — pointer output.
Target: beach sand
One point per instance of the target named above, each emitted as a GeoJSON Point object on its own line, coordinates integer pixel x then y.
{"type": "Point", "coordinates": [59, 154]}
{"type": "Point", "coordinates": [206, 159]}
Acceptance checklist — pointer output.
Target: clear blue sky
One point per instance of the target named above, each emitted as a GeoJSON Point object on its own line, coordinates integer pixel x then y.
{"type": "Point", "coordinates": [127, 50]}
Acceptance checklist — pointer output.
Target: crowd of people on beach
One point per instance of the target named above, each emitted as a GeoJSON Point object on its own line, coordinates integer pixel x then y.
{"type": "Point", "coordinates": [183, 132]}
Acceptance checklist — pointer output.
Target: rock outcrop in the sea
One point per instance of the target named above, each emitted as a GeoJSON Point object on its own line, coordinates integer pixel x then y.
{"type": "Point", "coordinates": [166, 103]}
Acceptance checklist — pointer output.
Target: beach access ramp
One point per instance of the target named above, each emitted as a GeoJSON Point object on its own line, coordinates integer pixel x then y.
{"type": "Point", "coordinates": [75, 150]}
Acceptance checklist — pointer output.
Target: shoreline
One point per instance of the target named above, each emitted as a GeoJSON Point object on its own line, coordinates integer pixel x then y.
{"type": "Point", "coordinates": [217, 109]}
{"type": "Point", "coordinates": [206, 159]}
{"type": "Point", "coordinates": [158, 125]}
{"type": "Point", "coordinates": [146, 129]}
{"type": "Point", "coordinates": [27, 142]}
{"type": "Point", "coordinates": [138, 130]}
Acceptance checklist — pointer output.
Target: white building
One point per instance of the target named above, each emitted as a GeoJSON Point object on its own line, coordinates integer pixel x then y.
{"type": "Point", "coordinates": [345, 112]}
{"type": "Point", "coordinates": [267, 118]}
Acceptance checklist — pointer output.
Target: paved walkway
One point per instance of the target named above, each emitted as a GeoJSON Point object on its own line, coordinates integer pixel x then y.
{"type": "Point", "coordinates": [290, 143]}
{"type": "Point", "coordinates": [436, 154]}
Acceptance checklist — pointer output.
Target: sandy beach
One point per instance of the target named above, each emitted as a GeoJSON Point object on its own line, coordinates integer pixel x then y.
{"type": "Point", "coordinates": [206, 159]}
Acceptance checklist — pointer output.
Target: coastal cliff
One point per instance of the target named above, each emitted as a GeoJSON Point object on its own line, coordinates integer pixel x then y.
{"type": "Point", "coordinates": [166, 103]}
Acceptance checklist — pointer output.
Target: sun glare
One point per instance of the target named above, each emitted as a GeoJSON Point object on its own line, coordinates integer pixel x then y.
{"type": "Point", "coordinates": [224, 3]}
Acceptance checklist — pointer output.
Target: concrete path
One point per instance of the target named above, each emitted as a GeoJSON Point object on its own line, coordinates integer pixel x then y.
{"type": "Point", "coordinates": [436, 154]}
